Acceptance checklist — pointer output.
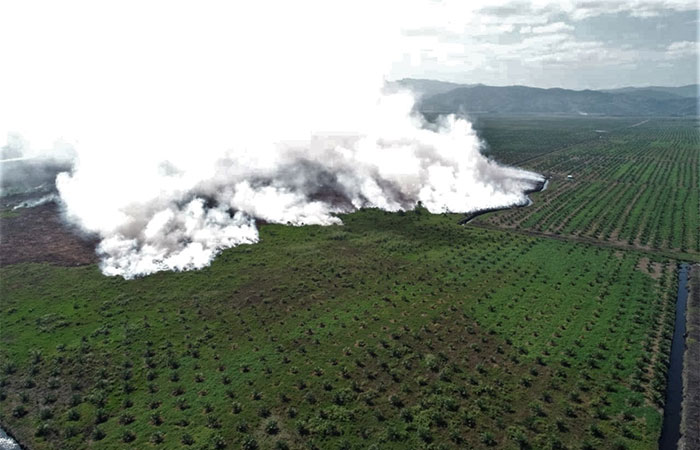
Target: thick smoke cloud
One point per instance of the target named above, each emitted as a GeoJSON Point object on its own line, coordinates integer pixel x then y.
{"type": "Point", "coordinates": [23, 171]}
{"type": "Point", "coordinates": [191, 124]}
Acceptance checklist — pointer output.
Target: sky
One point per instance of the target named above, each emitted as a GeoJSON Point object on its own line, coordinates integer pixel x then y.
{"type": "Point", "coordinates": [572, 44]}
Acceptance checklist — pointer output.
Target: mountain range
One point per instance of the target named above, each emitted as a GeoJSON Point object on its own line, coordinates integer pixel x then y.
{"type": "Point", "coordinates": [444, 97]}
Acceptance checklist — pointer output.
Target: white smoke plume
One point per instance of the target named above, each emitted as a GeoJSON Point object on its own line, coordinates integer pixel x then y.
{"type": "Point", "coordinates": [6, 443]}
{"type": "Point", "coordinates": [36, 202]}
{"type": "Point", "coordinates": [190, 123]}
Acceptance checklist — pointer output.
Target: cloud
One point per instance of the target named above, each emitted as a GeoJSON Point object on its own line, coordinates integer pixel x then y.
{"type": "Point", "coordinates": [642, 9]}
{"type": "Point", "coordinates": [681, 49]}
{"type": "Point", "coordinates": [585, 9]}
{"type": "Point", "coordinates": [555, 27]}
{"type": "Point", "coordinates": [559, 49]}
{"type": "Point", "coordinates": [494, 42]}
{"type": "Point", "coordinates": [582, 9]}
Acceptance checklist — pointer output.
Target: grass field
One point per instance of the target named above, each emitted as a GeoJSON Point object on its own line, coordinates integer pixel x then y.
{"type": "Point", "coordinates": [391, 331]}
{"type": "Point", "coordinates": [400, 331]}
{"type": "Point", "coordinates": [638, 186]}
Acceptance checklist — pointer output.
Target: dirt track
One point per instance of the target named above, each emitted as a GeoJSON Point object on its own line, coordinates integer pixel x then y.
{"type": "Point", "coordinates": [692, 258]}
{"type": "Point", "coordinates": [39, 235]}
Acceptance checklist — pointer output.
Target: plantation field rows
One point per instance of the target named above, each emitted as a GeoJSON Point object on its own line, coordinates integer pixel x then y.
{"type": "Point", "coordinates": [638, 186]}
{"type": "Point", "coordinates": [399, 330]}
{"type": "Point", "coordinates": [392, 331]}
{"type": "Point", "coordinates": [516, 139]}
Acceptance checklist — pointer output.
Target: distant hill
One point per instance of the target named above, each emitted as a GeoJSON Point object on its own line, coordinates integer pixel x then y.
{"type": "Point", "coordinates": [528, 100]}
{"type": "Point", "coordinates": [690, 91]}
{"type": "Point", "coordinates": [423, 88]}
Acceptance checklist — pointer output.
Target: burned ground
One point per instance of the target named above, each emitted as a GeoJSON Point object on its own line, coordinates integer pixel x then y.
{"type": "Point", "coordinates": [39, 235]}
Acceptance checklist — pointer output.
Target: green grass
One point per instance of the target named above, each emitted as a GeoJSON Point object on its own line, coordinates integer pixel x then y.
{"type": "Point", "coordinates": [512, 139]}
{"type": "Point", "coordinates": [392, 331]}
{"type": "Point", "coordinates": [637, 186]}
{"type": "Point", "coordinates": [8, 214]}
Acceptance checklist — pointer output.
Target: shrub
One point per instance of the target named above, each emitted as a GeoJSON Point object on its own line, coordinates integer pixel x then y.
{"type": "Point", "coordinates": [187, 439]}
{"type": "Point", "coordinates": [264, 412]}
{"type": "Point", "coordinates": [9, 368]}
{"type": "Point", "coordinates": [156, 419]}
{"type": "Point", "coordinates": [73, 415]}
{"type": "Point", "coordinates": [250, 444]}
{"type": "Point", "coordinates": [71, 431]}
{"type": "Point", "coordinates": [157, 438]}
{"type": "Point", "coordinates": [97, 434]}
{"type": "Point", "coordinates": [518, 435]}
{"type": "Point", "coordinates": [213, 422]}
{"type": "Point", "coordinates": [596, 431]}
{"type": "Point", "coordinates": [128, 436]}
{"type": "Point", "coordinates": [271, 427]}
{"type": "Point", "coordinates": [19, 411]}
{"type": "Point", "coordinates": [217, 442]}
{"type": "Point", "coordinates": [395, 401]}
{"type": "Point", "coordinates": [487, 439]}
{"type": "Point", "coordinates": [43, 430]}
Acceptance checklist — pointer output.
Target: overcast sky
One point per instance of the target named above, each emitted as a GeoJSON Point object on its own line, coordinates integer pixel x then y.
{"type": "Point", "coordinates": [572, 44]}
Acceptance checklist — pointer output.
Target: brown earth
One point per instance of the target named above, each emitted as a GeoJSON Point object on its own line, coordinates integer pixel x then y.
{"type": "Point", "coordinates": [40, 235]}
{"type": "Point", "coordinates": [653, 269]}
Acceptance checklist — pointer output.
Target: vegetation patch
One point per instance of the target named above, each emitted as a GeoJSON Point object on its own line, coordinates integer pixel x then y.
{"type": "Point", "coordinates": [635, 185]}
{"type": "Point", "coordinates": [392, 331]}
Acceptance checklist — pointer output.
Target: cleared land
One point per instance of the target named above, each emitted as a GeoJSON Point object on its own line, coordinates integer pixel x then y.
{"type": "Point", "coordinates": [39, 235]}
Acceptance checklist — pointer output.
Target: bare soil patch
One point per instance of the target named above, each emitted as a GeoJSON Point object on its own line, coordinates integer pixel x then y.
{"type": "Point", "coordinates": [40, 235]}
{"type": "Point", "coordinates": [653, 269]}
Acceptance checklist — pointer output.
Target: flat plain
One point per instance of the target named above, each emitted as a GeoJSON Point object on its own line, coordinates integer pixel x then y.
{"type": "Point", "coordinates": [405, 330]}
{"type": "Point", "coordinates": [635, 185]}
